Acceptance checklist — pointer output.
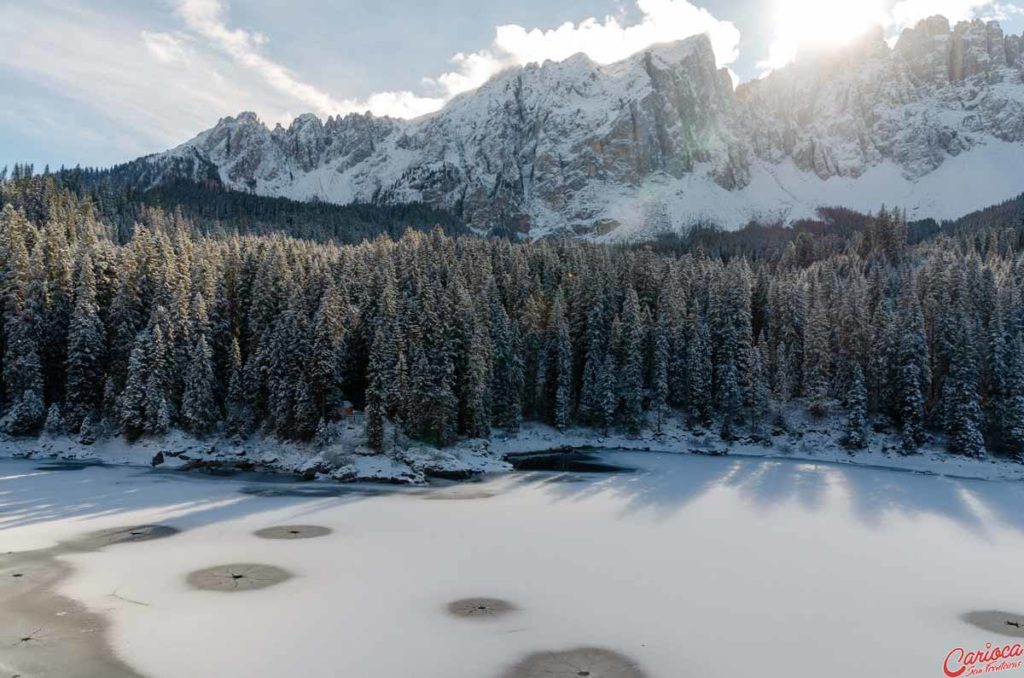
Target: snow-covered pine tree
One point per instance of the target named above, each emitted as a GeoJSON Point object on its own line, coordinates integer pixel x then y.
{"type": "Point", "coordinates": [327, 358]}
{"type": "Point", "coordinates": [700, 371]}
{"type": "Point", "coordinates": [562, 355]}
{"type": "Point", "coordinates": [880, 378]}
{"type": "Point", "coordinates": [378, 371]}
{"type": "Point", "coordinates": [23, 373]}
{"type": "Point", "coordinates": [133, 400]}
{"type": "Point", "coordinates": [817, 355]}
{"type": "Point", "coordinates": [477, 386]}
{"type": "Point", "coordinates": [912, 374]}
{"type": "Point", "coordinates": [591, 407]}
{"type": "Point", "coordinates": [53, 266]}
{"type": "Point", "coordinates": [960, 395]}
{"type": "Point", "coordinates": [759, 393]}
{"type": "Point", "coordinates": [662, 359]}
{"type": "Point", "coordinates": [1011, 405]}
{"type": "Point", "coordinates": [157, 366]}
{"type": "Point", "coordinates": [630, 360]}
{"type": "Point", "coordinates": [54, 424]}
{"type": "Point", "coordinates": [855, 435]}
{"type": "Point", "coordinates": [507, 372]}
{"type": "Point", "coordinates": [609, 385]}
{"type": "Point", "coordinates": [199, 410]}
{"type": "Point", "coordinates": [85, 350]}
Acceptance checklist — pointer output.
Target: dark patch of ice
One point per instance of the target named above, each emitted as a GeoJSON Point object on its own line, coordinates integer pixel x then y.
{"type": "Point", "coordinates": [237, 577]}
{"type": "Point", "coordinates": [125, 535]}
{"type": "Point", "coordinates": [575, 663]}
{"type": "Point", "coordinates": [572, 462]}
{"type": "Point", "coordinates": [67, 465]}
{"type": "Point", "coordinates": [293, 532]}
{"type": "Point", "coordinates": [480, 608]}
{"type": "Point", "coordinates": [306, 491]}
{"type": "Point", "coordinates": [996, 621]}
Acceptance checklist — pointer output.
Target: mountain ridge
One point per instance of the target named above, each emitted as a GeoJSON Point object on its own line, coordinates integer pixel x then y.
{"type": "Point", "coordinates": [661, 140]}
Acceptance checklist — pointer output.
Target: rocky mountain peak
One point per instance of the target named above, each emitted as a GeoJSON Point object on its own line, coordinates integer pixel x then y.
{"type": "Point", "coordinates": [660, 139]}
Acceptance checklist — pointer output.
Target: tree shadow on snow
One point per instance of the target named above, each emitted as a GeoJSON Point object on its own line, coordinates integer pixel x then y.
{"type": "Point", "coordinates": [29, 496]}
{"type": "Point", "coordinates": [668, 483]}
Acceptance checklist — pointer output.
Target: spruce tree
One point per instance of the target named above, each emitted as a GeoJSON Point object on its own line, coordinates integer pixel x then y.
{"type": "Point", "coordinates": [855, 436]}
{"type": "Point", "coordinates": [817, 357]}
{"type": "Point", "coordinates": [700, 372]}
{"type": "Point", "coordinates": [376, 391]}
{"type": "Point", "coordinates": [661, 369]}
{"type": "Point", "coordinates": [327, 359]}
{"type": "Point", "coordinates": [133, 399]}
{"type": "Point", "coordinates": [85, 350]}
{"type": "Point", "coordinates": [630, 361]}
{"type": "Point", "coordinates": [960, 395]}
{"type": "Point", "coordinates": [23, 374]}
{"type": "Point", "coordinates": [507, 370]}
{"type": "Point", "coordinates": [911, 374]}
{"type": "Point", "coordinates": [199, 409]}
{"type": "Point", "coordinates": [54, 424]}
{"type": "Point", "coordinates": [562, 355]}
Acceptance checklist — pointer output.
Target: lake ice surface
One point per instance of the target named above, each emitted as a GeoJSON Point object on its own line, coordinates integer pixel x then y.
{"type": "Point", "coordinates": [691, 566]}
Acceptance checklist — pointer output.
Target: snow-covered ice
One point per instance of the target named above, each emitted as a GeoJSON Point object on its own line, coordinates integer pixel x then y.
{"type": "Point", "coordinates": [690, 566]}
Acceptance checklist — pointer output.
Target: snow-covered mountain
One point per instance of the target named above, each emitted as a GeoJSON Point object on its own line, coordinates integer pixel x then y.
{"type": "Point", "coordinates": [934, 124]}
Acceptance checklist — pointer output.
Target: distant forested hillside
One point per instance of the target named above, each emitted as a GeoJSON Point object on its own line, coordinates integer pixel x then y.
{"type": "Point", "coordinates": [120, 202]}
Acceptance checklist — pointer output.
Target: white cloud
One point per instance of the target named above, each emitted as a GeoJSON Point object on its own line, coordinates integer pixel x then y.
{"type": "Point", "coordinates": [604, 41]}
{"type": "Point", "coordinates": [165, 47]}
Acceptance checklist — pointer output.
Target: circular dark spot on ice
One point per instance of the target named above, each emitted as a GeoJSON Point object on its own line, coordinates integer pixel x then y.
{"type": "Point", "coordinates": [480, 608]}
{"type": "Point", "coordinates": [124, 535]}
{"type": "Point", "coordinates": [584, 661]}
{"type": "Point", "coordinates": [237, 577]}
{"type": "Point", "coordinates": [997, 621]}
{"type": "Point", "coordinates": [293, 532]}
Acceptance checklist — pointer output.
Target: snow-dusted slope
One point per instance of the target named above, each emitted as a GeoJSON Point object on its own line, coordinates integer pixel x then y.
{"type": "Point", "coordinates": [934, 124]}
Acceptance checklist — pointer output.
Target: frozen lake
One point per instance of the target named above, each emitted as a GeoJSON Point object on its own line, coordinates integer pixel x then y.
{"type": "Point", "coordinates": [689, 566]}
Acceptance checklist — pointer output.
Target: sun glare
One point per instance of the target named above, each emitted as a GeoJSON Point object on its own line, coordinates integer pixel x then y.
{"type": "Point", "coordinates": [800, 24]}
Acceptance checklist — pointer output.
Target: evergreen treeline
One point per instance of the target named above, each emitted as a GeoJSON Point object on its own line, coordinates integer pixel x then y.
{"type": "Point", "coordinates": [450, 337]}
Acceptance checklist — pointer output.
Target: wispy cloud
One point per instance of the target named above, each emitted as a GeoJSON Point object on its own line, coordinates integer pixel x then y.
{"type": "Point", "coordinates": [207, 19]}
{"type": "Point", "coordinates": [139, 91]}
{"type": "Point", "coordinates": [165, 47]}
{"type": "Point", "coordinates": [139, 81]}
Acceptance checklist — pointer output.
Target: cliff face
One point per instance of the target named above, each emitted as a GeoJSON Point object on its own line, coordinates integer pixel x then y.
{"type": "Point", "coordinates": [660, 139]}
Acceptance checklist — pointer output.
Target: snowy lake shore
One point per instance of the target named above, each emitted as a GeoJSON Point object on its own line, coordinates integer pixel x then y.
{"type": "Point", "coordinates": [673, 566]}
{"type": "Point", "coordinates": [346, 459]}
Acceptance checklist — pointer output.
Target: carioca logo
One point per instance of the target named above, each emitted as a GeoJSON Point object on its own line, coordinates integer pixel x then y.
{"type": "Point", "coordinates": [960, 662]}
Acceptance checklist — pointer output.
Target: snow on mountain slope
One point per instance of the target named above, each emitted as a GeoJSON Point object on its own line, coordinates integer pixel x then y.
{"type": "Point", "coordinates": [934, 124]}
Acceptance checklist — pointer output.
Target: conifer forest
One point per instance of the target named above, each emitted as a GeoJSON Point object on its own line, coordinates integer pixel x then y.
{"type": "Point", "coordinates": [165, 324]}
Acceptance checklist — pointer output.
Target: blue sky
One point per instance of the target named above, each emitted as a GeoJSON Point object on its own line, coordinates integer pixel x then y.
{"type": "Point", "coordinates": [95, 82]}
